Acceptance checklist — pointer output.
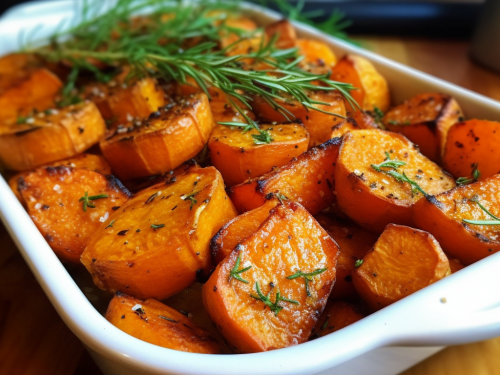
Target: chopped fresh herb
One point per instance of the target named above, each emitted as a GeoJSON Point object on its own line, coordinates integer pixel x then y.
{"type": "Point", "coordinates": [393, 122]}
{"type": "Point", "coordinates": [87, 200]}
{"type": "Point", "coordinates": [21, 120]}
{"type": "Point", "coordinates": [475, 176]}
{"type": "Point", "coordinates": [358, 263]}
{"type": "Point", "coordinates": [280, 197]}
{"type": "Point", "coordinates": [168, 319]}
{"type": "Point", "coordinates": [308, 277]}
{"type": "Point", "coordinates": [388, 163]}
{"type": "Point", "coordinates": [325, 324]}
{"type": "Point", "coordinates": [157, 226]}
{"type": "Point", "coordinates": [110, 225]}
{"type": "Point", "coordinates": [495, 221]}
{"type": "Point", "coordinates": [235, 272]}
{"type": "Point", "coordinates": [274, 306]}
{"type": "Point", "coordinates": [151, 198]}
{"type": "Point", "coordinates": [191, 198]}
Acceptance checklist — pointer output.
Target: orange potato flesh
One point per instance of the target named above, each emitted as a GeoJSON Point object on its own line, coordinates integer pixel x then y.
{"type": "Point", "coordinates": [156, 262]}
{"type": "Point", "coordinates": [307, 180]}
{"type": "Point", "coordinates": [52, 196]}
{"type": "Point", "coordinates": [236, 230]}
{"type": "Point", "coordinates": [236, 156]}
{"type": "Point", "coordinates": [455, 265]}
{"type": "Point", "coordinates": [36, 91]}
{"type": "Point", "coordinates": [16, 67]}
{"type": "Point", "coordinates": [321, 126]}
{"type": "Point", "coordinates": [425, 120]}
{"type": "Point", "coordinates": [286, 35]}
{"type": "Point", "coordinates": [374, 199]}
{"type": "Point", "coordinates": [442, 216]}
{"type": "Point", "coordinates": [337, 315]}
{"type": "Point", "coordinates": [316, 54]}
{"type": "Point", "coordinates": [161, 142]}
{"type": "Point", "coordinates": [473, 142]}
{"type": "Point", "coordinates": [158, 324]}
{"type": "Point", "coordinates": [372, 87]}
{"type": "Point", "coordinates": [57, 135]}
{"type": "Point", "coordinates": [289, 240]}
{"type": "Point", "coordinates": [403, 261]}
{"type": "Point", "coordinates": [229, 37]}
{"type": "Point", "coordinates": [354, 242]}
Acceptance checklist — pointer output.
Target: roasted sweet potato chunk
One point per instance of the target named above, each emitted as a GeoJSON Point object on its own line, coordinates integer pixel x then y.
{"type": "Point", "coordinates": [443, 215]}
{"type": "Point", "coordinates": [316, 54]}
{"type": "Point", "coordinates": [473, 143]}
{"type": "Point", "coordinates": [158, 324]}
{"type": "Point", "coordinates": [372, 92]}
{"type": "Point", "coordinates": [321, 126]}
{"type": "Point", "coordinates": [234, 31]}
{"type": "Point", "coordinates": [284, 32]}
{"type": "Point", "coordinates": [425, 120]}
{"type": "Point", "coordinates": [455, 265]}
{"type": "Point", "coordinates": [403, 261]}
{"type": "Point", "coordinates": [337, 315]}
{"type": "Point", "coordinates": [307, 180]}
{"type": "Point", "coordinates": [237, 157]}
{"type": "Point", "coordinates": [68, 205]}
{"type": "Point", "coordinates": [161, 142]}
{"type": "Point", "coordinates": [354, 242]}
{"type": "Point", "coordinates": [236, 230]}
{"type": "Point", "coordinates": [50, 136]}
{"type": "Point", "coordinates": [375, 198]}
{"type": "Point", "coordinates": [267, 305]}
{"type": "Point", "coordinates": [363, 119]}
{"type": "Point", "coordinates": [158, 243]}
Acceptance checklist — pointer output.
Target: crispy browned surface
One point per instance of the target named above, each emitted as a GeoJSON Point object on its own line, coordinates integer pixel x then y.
{"type": "Point", "coordinates": [372, 198]}
{"type": "Point", "coordinates": [148, 262]}
{"type": "Point", "coordinates": [403, 261]}
{"type": "Point", "coordinates": [455, 265]}
{"type": "Point", "coordinates": [161, 142]}
{"type": "Point", "coordinates": [236, 230]}
{"type": "Point", "coordinates": [307, 180]}
{"type": "Point", "coordinates": [473, 142]}
{"type": "Point", "coordinates": [321, 126]}
{"type": "Point", "coordinates": [316, 54]}
{"type": "Point", "coordinates": [363, 119]}
{"type": "Point", "coordinates": [372, 87]}
{"type": "Point", "coordinates": [442, 216]}
{"type": "Point", "coordinates": [354, 242]}
{"type": "Point", "coordinates": [57, 135]}
{"type": "Point", "coordinates": [236, 156]}
{"type": "Point", "coordinates": [425, 120]}
{"type": "Point", "coordinates": [289, 240]}
{"type": "Point", "coordinates": [337, 315]}
{"type": "Point", "coordinates": [15, 67]}
{"type": "Point", "coordinates": [286, 35]}
{"type": "Point", "coordinates": [52, 197]}
{"type": "Point", "coordinates": [159, 324]}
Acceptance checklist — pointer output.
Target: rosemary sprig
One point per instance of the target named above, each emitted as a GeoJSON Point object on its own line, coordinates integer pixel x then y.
{"type": "Point", "coordinates": [235, 272]}
{"type": "Point", "coordinates": [157, 226]}
{"type": "Point", "coordinates": [495, 221]}
{"type": "Point", "coordinates": [388, 163]}
{"type": "Point", "coordinates": [191, 198]}
{"type": "Point", "coordinates": [274, 306]}
{"type": "Point", "coordinates": [475, 176]}
{"type": "Point", "coordinates": [87, 201]}
{"type": "Point", "coordinates": [110, 225]}
{"type": "Point", "coordinates": [308, 277]}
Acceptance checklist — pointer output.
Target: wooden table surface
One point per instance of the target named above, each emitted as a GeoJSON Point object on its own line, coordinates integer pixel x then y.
{"type": "Point", "coordinates": [35, 341]}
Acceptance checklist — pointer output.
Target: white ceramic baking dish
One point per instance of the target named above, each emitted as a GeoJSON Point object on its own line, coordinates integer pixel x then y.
{"type": "Point", "coordinates": [464, 307]}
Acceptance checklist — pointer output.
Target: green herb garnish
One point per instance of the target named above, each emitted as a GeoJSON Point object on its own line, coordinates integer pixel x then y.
{"type": "Point", "coordinates": [87, 201]}
{"type": "Point", "coordinates": [308, 277]}
{"type": "Point", "coordinates": [110, 225]}
{"type": "Point", "coordinates": [157, 226]}
{"type": "Point", "coordinates": [475, 176]}
{"type": "Point", "coordinates": [358, 263]}
{"type": "Point", "coordinates": [235, 272]}
{"type": "Point", "coordinates": [274, 306]}
{"type": "Point", "coordinates": [388, 163]}
{"type": "Point", "coordinates": [191, 198]}
{"type": "Point", "coordinates": [495, 221]}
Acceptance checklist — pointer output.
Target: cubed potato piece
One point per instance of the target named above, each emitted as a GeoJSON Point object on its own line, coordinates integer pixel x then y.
{"type": "Point", "coordinates": [316, 54]}
{"type": "Point", "coordinates": [403, 261]}
{"type": "Point", "coordinates": [159, 241]}
{"type": "Point", "coordinates": [68, 205]}
{"type": "Point", "coordinates": [373, 91]}
{"type": "Point", "coordinates": [471, 143]}
{"type": "Point", "coordinates": [159, 324]}
{"type": "Point", "coordinates": [374, 199]}
{"type": "Point", "coordinates": [264, 306]}
{"type": "Point", "coordinates": [284, 32]}
{"type": "Point", "coordinates": [307, 180]}
{"type": "Point", "coordinates": [163, 141]}
{"type": "Point", "coordinates": [321, 126]}
{"type": "Point", "coordinates": [337, 315]}
{"type": "Point", "coordinates": [443, 215]}
{"type": "Point", "coordinates": [16, 67]}
{"type": "Point", "coordinates": [354, 242]}
{"type": "Point", "coordinates": [229, 36]}
{"type": "Point", "coordinates": [425, 120]}
{"type": "Point", "coordinates": [237, 157]}
{"type": "Point", "coordinates": [51, 136]}
{"type": "Point", "coordinates": [455, 265]}
{"type": "Point", "coordinates": [363, 119]}
{"type": "Point", "coordinates": [236, 230]}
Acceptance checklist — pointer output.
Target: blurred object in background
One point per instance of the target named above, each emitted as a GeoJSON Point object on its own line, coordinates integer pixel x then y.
{"type": "Point", "coordinates": [485, 44]}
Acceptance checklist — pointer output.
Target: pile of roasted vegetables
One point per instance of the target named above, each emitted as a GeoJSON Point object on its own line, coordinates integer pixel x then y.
{"type": "Point", "coordinates": [308, 203]}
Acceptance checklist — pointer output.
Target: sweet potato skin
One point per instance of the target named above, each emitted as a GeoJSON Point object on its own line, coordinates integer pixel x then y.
{"type": "Point", "coordinates": [403, 261]}
{"type": "Point", "coordinates": [307, 180]}
{"type": "Point", "coordinates": [337, 315]}
{"type": "Point", "coordinates": [161, 143]}
{"type": "Point", "coordinates": [373, 199]}
{"type": "Point", "coordinates": [472, 142]}
{"type": "Point", "coordinates": [442, 216]}
{"type": "Point", "coordinates": [52, 196]}
{"type": "Point", "coordinates": [425, 120]}
{"type": "Point", "coordinates": [159, 324]}
{"type": "Point", "coordinates": [141, 257]}
{"type": "Point", "coordinates": [354, 243]}
{"type": "Point", "coordinates": [237, 157]}
{"type": "Point", "coordinates": [289, 240]}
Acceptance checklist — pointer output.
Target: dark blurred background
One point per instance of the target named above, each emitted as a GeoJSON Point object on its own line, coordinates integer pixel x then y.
{"type": "Point", "coordinates": [439, 18]}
